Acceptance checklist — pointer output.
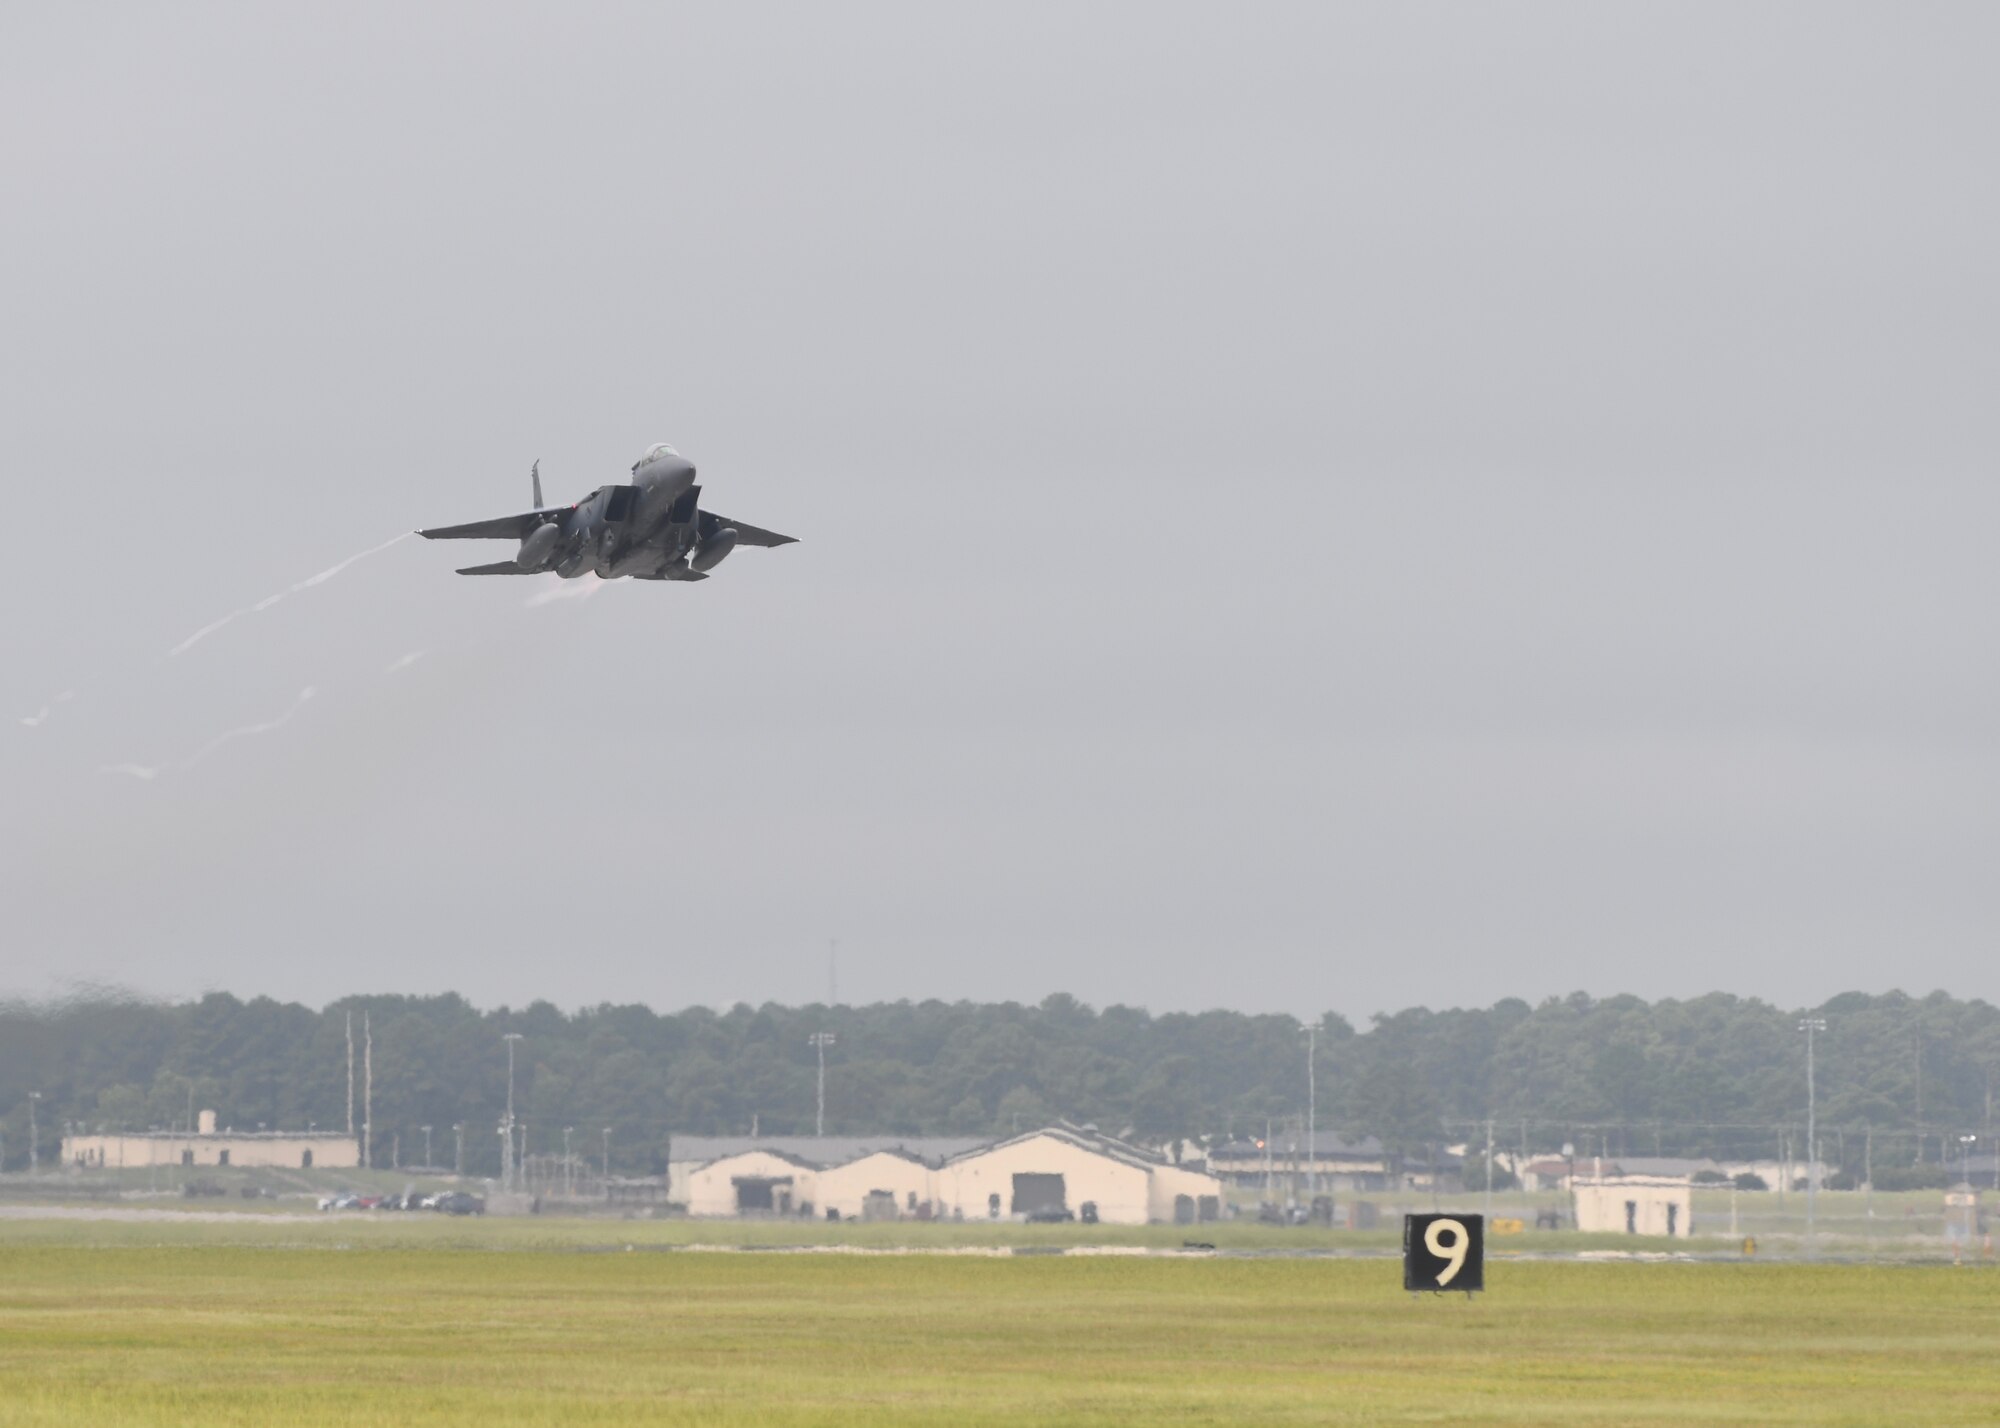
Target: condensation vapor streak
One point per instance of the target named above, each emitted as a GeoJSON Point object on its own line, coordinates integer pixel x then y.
{"type": "Point", "coordinates": [305, 695]}
{"type": "Point", "coordinates": [269, 600]}
{"type": "Point", "coordinates": [148, 772]}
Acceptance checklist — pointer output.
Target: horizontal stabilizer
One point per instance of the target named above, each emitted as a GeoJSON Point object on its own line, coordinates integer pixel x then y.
{"type": "Point", "coordinates": [498, 567]}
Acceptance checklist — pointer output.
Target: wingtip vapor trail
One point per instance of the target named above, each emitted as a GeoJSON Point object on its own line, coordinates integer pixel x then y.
{"type": "Point", "coordinates": [269, 600]}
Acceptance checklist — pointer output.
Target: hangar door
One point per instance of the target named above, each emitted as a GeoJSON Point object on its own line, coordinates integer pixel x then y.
{"type": "Point", "coordinates": [762, 1192]}
{"type": "Point", "coordinates": [1038, 1192]}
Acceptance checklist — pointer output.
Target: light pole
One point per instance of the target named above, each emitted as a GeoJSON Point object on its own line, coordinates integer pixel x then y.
{"type": "Point", "coordinates": [507, 1161]}
{"type": "Point", "coordinates": [34, 1141]}
{"type": "Point", "coordinates": [820, 1041]}
{"type": "Point", "coordinates": [607, 1160]}
{"type": "Point", "coordinates": [1965, 1158]}
{"type": "Point", "coordinates": [1312, 1121]}
{"type": "Point", "coordinates": [427, 1147]}
{"type": "Point", "coordinates": [458, 1151]}
{"type": "Point", "coordinates": [1811, 1025]}
{"type": "Point", "coordinates": [569, 1167]}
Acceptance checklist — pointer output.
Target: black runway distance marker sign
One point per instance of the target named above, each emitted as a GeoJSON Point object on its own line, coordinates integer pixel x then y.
{"type": "Point", "coordinates": [1444, 1252]}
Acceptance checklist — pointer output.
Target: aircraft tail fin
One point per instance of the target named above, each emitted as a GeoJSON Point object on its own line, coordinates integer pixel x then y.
{"type": "Point", "coordinates": [535, 475]}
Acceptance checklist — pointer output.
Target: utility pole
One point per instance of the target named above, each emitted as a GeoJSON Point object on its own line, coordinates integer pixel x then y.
{"type": "Point", "coordinates": [1312, 1119]}
{"type": "Point", "coordinates": [1489, 1170]}
{"type": "Point", "coordinates": [1868, 1169]}
{"type": "Point", "coordinates": [427, 1147]}
{"type": "Point", "coordinates": [607, 1161]}
{"type": "Point", "coordinates": [350, 1073]}
{"type": "Point", "coordinates": [507, 1162]}
{"type": "Point", "coordinates": [34, 1140]}
{"type": "Point", "coordinates": [458, 1153]}
{"type": "Point", "coordinates": [820, 1041]}
{"type": "Point", "coordinates": [367, 1091]}
{"type": "Point", "coordinates": [1810, 1026]}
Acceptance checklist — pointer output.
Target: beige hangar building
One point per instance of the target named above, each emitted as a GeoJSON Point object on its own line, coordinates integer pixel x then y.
{"type": "Point", "coordinates": [1066, 1168]}
{"type": "Point", "coordinates": [753, 1182]}
{"type": "Point", "coordinates": [883, 1185]}
{"type": "Point", "coordinates": [1060, 1170]}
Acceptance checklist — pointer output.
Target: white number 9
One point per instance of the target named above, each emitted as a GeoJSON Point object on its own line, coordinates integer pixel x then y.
{"type": "Point", "coordinates": [1455, 1252]}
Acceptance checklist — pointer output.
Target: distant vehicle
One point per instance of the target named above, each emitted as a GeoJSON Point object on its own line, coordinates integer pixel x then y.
{"type": "Point", "coordinates": [458, 1202]}
{"type": "Point", "coordinates": [1049, 1217]}
{"type": "Point", "coordinates": [650, 529]}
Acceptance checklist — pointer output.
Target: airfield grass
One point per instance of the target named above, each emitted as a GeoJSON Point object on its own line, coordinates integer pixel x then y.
{"type": "Point", "coordinates": [236, 1334]}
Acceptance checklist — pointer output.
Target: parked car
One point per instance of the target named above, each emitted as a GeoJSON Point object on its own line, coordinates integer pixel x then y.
{"type": "Point", "coordinates": [458, 1202]}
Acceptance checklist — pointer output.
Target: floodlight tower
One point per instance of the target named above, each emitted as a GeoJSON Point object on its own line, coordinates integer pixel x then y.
{"type": "Point", "coordinates": [820, 1041]}
{"type": "Point", "coordinates": [1312, 1119]}
{"type": "Point", "coordinates": [507, 1161]}
{"type": "Point", "coordinates": [1810, 1026]}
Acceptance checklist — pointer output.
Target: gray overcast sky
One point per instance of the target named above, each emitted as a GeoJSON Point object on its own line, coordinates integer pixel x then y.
{"type": "Point", "coordinates": [1320, 507]}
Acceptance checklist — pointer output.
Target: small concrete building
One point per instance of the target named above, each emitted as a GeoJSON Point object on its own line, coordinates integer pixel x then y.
{"type": "Point", "coordinates": [1076, 1171]}
{"type": "Point", "coordinates": [289, 1150]}
{"type": "Point", "coordinates": [884, 1185]}
{"type": "Point", "coordinates": [1634, 1205]}
{"type": "Point", "coordinates": [754, 1182]}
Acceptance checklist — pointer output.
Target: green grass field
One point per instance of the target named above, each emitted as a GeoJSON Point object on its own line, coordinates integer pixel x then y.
{"type": "Point", "coordinates": [233, 1334]}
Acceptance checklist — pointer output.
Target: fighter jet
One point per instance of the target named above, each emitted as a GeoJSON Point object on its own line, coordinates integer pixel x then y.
{"type": "Point", "coordinates": [652, 528]}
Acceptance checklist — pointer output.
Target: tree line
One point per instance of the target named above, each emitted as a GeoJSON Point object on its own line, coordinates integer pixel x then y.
{"type": "Point", "coordinates": [1899, 1078]}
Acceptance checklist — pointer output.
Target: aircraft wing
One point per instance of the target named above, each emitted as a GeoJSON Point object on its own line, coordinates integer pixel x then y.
{"type": "Point", "coordinates": [499, 528]}
{"type": "Point", "coordinates": [746, 534]}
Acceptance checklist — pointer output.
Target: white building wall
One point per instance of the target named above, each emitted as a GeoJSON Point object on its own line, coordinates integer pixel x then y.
{"type": "Point", "coordinates": [1600, 1205]}
{"type": "Point", "coordinates": [711, 1190]}
{"type": "Point", "coordinates": [1170, 1181]}
{"type": "Point", "coordinates": [1120, 1190]}
{"type": "Point", "coordinates": [845, 1187]}
{"type": "Point", "coordinates": [136, 1152]}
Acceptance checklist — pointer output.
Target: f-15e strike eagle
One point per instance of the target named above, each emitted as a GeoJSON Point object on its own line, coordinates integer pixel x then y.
{"type": "Point", "coordinates": [651, 529]}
